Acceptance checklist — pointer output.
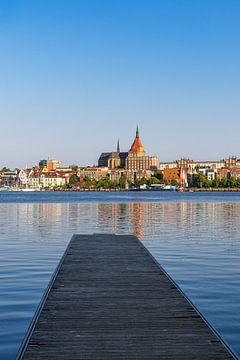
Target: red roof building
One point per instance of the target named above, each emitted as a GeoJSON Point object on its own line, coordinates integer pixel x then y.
{"type": "Point", "coordinates": [137, 149]}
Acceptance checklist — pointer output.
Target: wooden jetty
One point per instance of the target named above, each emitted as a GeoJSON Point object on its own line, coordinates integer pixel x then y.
{"type": "Point", "coordinates": [109, 299]}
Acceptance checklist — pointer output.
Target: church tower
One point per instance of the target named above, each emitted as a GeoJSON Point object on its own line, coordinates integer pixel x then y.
{"type": "Point", "coordinates": [138, 164]}
{"type": "Point", "coordinates": [137, 149]}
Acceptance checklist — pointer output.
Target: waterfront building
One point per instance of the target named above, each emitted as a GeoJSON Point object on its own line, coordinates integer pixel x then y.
{"type": "Point", "coordinates": [22, 177]}
{"type": "Point", "coordinates": [47, 180]}
{"type": "Point", "coordinates": [93, 173]}
{"type": "Point", "coordinates": [234, 172]}
{"type": "Point", "coordinates": [211, 169]}
{"type": "Point", "coordinates": [211, 174]}
{"type": "Point", "coordinates": [49, 165]}
{"type": "Point", "coordinates": [229, 172]}
{"type": "Point", "coordinates": [114, 159]}
{"type": "Point", "coordinates": [178, 174]}
{"type": "Point", "coordinates": [232, 162]}
{"type": "Point", "coordinates": [138, 175]}
{"type": "Point", "coordinates": [137, 161]}
{"type": "Point", "coordinates": [116, 174]}
{"type": "Point", "coordinates": [192, 165]}
{"type": "Point", "coordinates": [9, 178]}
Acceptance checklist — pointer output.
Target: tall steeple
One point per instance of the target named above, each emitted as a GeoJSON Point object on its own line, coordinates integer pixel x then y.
{"type": "Point", "coordinates": [137, 149]}
{"type": "Point", "coordinates": [118, 147]}
{"type": "Point", "coordinates": [137, 132]}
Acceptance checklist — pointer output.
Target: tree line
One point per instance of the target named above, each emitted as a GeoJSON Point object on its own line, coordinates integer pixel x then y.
{"type": "Point", "coordinates": [106, 183]}
{"type": "Point", "coordinates": [201, 181]}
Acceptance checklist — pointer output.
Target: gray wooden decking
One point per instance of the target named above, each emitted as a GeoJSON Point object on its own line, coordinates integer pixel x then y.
{"type": "Point", "coordinates": [111, 300]}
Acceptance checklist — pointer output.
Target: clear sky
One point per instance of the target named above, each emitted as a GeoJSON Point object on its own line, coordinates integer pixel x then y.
{"type": "Point", "coordinates": [76, 75]}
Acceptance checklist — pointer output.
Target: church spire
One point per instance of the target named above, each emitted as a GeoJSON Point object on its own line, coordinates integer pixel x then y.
{"type": "Point", "coordinates": [137, 147]}
{"type": "Point", "coordinates": [137, 132]}
{"type": "Point", "coordinates": [118, 146]}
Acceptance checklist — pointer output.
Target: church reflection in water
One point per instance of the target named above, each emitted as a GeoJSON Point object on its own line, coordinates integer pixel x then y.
{"type": "Point", "coordinates": [144, 220]}
{"type": "Point", "coordinates": [152, 219]}
{"type": "Point", "coordinates": [122, 217]}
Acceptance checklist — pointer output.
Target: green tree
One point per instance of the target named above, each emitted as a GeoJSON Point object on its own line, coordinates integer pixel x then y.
{"type": "Point", "coordinates": [206, 183]}
{"type": "Point", "coordinates": [231, 182]}
{"type": "Point", "coordinates": [223, 183]}
{"type": "Point", "coordinates": [137, 183]}
{"type": "Point", "coordinates": [159, 175]}
{"type": "Point", "coordinates": [87, 182]}
{"type": "Point", "coordinates": [5, 169]}
{"type": "Point", "coordinates": [215, 183]}
{"type": "Point", "coordinates": [73, 180]}
{"type": "Point", "coordinates": [200, 181]}
{"type": "Point", "coordinates": [143, 181]}
{"type": "Point", "coordinates": [238, 182]}
{"type": "Point", "coordinates": [106, 184]}
{"type": "Point", "coordinates": [74, 168]}
{"type": "Point", "coordinates": [122, 181]}
{"type": "Point", "coordinates": [154, 180]}
{"type": "Point", "coordinates": [174, 183]}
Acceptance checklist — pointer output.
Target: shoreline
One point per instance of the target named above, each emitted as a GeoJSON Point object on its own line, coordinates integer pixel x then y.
{"type": "Point", "coordinates": [126, 190]}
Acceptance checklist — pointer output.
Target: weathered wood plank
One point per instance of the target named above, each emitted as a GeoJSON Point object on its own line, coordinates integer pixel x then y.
{"type": "Point", "coordinates": [111, 300]}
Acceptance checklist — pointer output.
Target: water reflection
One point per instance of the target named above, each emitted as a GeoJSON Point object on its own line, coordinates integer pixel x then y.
{"type": "Point", "coordinates": [197, 243]}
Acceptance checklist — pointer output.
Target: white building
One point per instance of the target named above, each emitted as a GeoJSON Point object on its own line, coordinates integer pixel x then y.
{"type": "Point", "coordinates": [47, 180]}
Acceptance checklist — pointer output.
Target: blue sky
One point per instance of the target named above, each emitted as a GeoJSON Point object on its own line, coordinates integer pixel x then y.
{"type": "Point", "coordinates": [76, 75]}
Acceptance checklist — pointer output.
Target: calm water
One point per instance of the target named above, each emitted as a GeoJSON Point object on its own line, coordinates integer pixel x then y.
{"type": "Point", "coordinates": [195, 237]}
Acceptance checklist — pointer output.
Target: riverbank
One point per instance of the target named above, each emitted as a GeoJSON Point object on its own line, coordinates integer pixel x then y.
{"type": "Point", "coordinates": [213, 189]}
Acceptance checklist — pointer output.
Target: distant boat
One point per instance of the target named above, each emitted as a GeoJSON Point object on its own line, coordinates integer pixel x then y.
{"type": "Point", "coordinates": [28, 189]}
{"type": "Point", "coordinates": [5, 188]}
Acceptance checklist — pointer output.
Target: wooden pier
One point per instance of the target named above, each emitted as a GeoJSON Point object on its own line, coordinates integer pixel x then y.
{"type": "Point", "coordinates": [109, 299]}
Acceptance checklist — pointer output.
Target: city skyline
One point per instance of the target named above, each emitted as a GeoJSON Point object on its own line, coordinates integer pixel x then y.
{"type": "Point", "coordinates": [116, 147]}
{"type": "Point", "coordinates": [76, 76]}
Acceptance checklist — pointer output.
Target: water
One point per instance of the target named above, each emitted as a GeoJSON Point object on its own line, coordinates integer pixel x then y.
{"type": "Point", "coordinates": [195, 237]}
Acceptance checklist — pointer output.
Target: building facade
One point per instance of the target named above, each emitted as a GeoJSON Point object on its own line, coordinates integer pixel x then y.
{"type": "Point", "coordinates": [137, 161]}
{"type": "Point", "coordinates": [93, 173]}
{"type": "Point", "coordinates": [114, 159]}
{"type": "Point", "coordinates": [49, 165]}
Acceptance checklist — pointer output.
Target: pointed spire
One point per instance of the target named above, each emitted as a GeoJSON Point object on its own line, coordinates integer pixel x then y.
{"type": "Point", "coordinates": [118, 146]}
{"type": "Point", "coordinates": [137, 132]}
{"type": "Point", "coordinates": [137, 147]}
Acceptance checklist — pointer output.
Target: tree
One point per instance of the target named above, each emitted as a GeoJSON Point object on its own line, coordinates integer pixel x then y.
{"type": "Point", "coordinates": [215, 183]}
{"type": "Point", "coordinates": [74, 168]}
{"type": "Point", "coordinates": [136, 183]}
{"type": "Point", "coordinates": [5, 169]}
{"type": "Point", "coordinates": [122, 181]}
{"type": "Point", "coordinates": [143, 181]}
{"type": "Point", "coordinates": [154, 180]}
{"type": "Point", "coordinates": [87, 182]}
{"type": "Point", "coordinates": [106, 184]}
{"type": "Point", "coordinates": [174, 183]}
{"type": "Point", "coordinates": [238, 182]}
{"type": "Point", "coordinates": [231, 182]}
{"type": "Point", "coordinates": [223, 182]}
{"type": "Point", "coordinates": [158, 174]}
{"type": "Point", "coordinates": [73, 180]}
{"type": "Point", "coordinates": [200, 181]}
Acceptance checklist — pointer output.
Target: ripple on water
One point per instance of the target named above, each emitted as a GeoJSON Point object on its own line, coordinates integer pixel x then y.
{"type": "Point", "coordinates": [195, 237]}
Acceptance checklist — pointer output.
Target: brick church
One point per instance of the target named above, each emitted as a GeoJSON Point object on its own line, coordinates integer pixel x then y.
{"type": "Point", "coordinates": [132, 161]}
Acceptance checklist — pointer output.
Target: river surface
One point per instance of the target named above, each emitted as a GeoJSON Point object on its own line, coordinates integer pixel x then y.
{"type": "Point", "coordinates": [194, 236]}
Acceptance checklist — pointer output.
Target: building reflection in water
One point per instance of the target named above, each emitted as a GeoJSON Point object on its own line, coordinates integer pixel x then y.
{"type": "Point", "coordinates": [197, 243]}
{"type": "Point", "coordinates": [161, 220]}
{"type": "Point", "coordinates": [146, 220]}
{"type": "Point", "coordinates": [122, 217]}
